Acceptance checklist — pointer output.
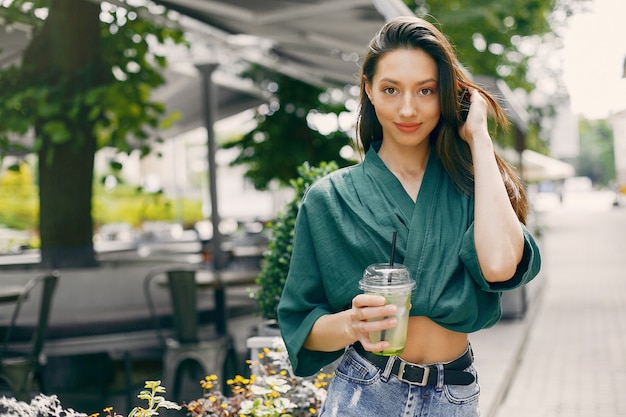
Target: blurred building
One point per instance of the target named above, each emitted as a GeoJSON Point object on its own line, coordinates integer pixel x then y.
{"type": "Point", "coordinates": [618, 122]}
{"type": "Point", "coordinates": [565, 140]}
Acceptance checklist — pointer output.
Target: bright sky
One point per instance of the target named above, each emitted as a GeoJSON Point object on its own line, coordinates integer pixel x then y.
{"type": "Point", "coordinates": [595, 49]}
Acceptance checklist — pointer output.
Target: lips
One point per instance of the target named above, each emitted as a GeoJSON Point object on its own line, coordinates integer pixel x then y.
{"type": "Point", "coordinates": [408, 127]}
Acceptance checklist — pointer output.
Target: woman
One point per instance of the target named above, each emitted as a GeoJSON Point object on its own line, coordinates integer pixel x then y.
{"type": "Point", "coordinates": [459, 214]}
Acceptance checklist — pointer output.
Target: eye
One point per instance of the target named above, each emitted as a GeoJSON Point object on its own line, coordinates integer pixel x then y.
{"type": "Point", "coordinates": [389, 90]}
{"type": "Point", "coordinates": [425, 91]}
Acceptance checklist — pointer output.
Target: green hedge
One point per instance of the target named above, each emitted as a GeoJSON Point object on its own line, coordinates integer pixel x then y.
{"type": "Point", "coordinates": [19, 204]}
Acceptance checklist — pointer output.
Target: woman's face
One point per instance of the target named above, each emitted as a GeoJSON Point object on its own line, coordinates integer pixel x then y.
{"type": "Point", "coordinates": [404, 92]}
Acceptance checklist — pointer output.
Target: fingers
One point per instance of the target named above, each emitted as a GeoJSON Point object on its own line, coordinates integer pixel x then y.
{"type": "Point", "coordinates": [476, 121]}
{"type": "Point", "coordinates": [368, 300]}
{"type": "Point", "coordinates": [370, 314]}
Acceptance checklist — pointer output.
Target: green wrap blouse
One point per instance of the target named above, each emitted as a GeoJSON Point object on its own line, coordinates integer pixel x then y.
{"type": "Point", "coordinates": [346, 222]}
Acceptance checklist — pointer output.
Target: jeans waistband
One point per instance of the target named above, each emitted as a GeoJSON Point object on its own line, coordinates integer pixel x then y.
{"type": "Point", "coordinates": [422, 375]}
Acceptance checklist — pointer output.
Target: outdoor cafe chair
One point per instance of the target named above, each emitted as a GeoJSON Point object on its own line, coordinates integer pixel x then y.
{"type": "Point", "coordinates": [21, 368]}
{"type": "Point", "coordinates": [189, 344]}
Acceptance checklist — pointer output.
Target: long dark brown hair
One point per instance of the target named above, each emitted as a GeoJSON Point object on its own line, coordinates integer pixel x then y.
{"type": "Point", "coordinates": [415, 33]}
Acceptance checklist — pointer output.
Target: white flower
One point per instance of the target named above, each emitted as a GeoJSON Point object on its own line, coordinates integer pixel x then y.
{"type": "Point", "coordinates": [260, 390]}
{"type": "Point", "coordinates": [284, 404]}
{"type": "Point", "coordinates": [40, 405]}
{"type": "Point", "coordinates": [246, 407]}
{"type": "Point", "coordinates": [278, 383]}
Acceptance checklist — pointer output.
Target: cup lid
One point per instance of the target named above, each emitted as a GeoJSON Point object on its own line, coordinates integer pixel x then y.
{"type": "Point", "coordinates": [383, 275]}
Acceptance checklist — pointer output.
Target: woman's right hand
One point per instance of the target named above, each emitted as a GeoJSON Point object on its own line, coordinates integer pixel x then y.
{"type": "Point", "coordinates": [332, 332]}
{"type": "Point", "coordinates": [369, 314]}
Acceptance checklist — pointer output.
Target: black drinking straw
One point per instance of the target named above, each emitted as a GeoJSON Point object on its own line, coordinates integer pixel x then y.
{"type": "Point", "coordinates": [393, 253]}
{"type": "Point", "coordinates": [391, 256]}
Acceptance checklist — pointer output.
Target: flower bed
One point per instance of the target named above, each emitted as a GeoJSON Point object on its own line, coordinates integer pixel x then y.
{"type": "Point", "coordinates": [270, 391]}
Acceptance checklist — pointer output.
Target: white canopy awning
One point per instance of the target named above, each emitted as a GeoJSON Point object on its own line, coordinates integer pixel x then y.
{"type": "Point", "coordinates": [317, 41]}
{"type": "Point", "coordinates": [537, 167]}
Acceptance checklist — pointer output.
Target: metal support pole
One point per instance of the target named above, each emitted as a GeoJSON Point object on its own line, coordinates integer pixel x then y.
{"type": "Point", "coordinates": [209, 102]}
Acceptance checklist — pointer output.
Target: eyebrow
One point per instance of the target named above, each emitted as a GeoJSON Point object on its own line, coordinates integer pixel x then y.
{"type": "Point", "coordinates": [389, 80]}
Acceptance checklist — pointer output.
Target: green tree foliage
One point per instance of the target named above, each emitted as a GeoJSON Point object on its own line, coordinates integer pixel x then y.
{"type": "Point", "coordinates": [596, 159]}
{"type": "Point", "coordinates": [84, 83]}
{"type": "Point", "coordinates": [284, 138]}
{"type": "Point", "coordinates": [498, 37]}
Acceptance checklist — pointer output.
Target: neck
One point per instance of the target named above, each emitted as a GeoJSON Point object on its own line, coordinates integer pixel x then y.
{"type": "Point", "coordinates": [405, 162]}
{"type": "Point", "coordinates": [408, 165]}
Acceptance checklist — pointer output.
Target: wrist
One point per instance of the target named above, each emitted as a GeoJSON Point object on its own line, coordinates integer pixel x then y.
{"type": "Point", "coordinates": [481, 142]}
{"type": "Point", "coordinates": [348, 333]}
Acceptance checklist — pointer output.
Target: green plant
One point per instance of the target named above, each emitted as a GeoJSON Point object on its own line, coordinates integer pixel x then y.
{"type": "Point", "coordinates": [275, 264]}
{"type": "Point", "coordinates": [271, 391]}
{"type": "Point", "coordinates": [155, 401]}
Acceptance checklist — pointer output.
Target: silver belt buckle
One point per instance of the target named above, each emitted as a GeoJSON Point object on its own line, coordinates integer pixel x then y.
{"type": "Point", "coordinates": [425, 375]}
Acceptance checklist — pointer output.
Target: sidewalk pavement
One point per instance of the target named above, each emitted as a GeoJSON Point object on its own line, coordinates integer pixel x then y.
{"type": "Point", "coordinates": [567, 357]}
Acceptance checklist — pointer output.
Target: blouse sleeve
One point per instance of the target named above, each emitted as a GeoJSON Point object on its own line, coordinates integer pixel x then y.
{"type": "Point", "coordinates": [527, 269]}
{"type": "Point", "coordinates": [303, 301]}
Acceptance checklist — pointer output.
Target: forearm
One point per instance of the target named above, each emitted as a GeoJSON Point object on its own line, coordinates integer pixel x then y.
{"type": "Point", "coordinates": [331, 332]}
{"type": "Point", "coordinates": [497, 232]}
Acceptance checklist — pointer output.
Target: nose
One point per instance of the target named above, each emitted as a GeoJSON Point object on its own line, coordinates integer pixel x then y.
{"type": "Point", "coordinates": [408, 105]}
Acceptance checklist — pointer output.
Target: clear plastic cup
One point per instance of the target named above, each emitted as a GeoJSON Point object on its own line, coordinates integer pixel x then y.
{"type": "Point", "coordinates": [395, 284]}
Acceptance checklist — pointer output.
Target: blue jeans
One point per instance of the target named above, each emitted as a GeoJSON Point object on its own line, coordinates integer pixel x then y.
{"type": "Point", "coordinates": [360, 389]}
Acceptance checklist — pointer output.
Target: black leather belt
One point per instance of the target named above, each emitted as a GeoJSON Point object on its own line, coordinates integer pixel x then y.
{"type": "Point", "coordinates": [453, 372]}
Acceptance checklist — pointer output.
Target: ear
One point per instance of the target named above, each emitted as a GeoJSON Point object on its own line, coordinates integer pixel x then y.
{"type": "Point", "coordinates": [368, 91]}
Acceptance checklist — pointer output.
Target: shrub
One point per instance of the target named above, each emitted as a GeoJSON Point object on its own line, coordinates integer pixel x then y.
{"type": "Point", "coordinates": [275, 264]}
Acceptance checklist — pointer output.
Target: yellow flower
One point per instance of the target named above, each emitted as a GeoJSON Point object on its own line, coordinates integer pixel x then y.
{"type": "Point", "coordinates": [241, 379]}
{"type": "Point", "coordinates": [206, 385]}
{"type": "Point", "coordinates": [153, 385]}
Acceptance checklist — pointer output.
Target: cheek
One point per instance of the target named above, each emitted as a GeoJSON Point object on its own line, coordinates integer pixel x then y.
{"type": "Point", "coordinates": [384, 111]}
{"type": "Point", "coordinates": [434, 110]}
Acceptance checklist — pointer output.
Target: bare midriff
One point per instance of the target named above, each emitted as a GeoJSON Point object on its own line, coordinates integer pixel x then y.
{"type": "Point", "coordinates": [427, 342]}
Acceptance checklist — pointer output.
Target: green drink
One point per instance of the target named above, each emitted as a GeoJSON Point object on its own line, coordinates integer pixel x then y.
{"type": "Point", "coordinates": [395, 284]}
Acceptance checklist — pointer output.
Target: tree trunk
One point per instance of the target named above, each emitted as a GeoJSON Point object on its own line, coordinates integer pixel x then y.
{"type": "Point", "coordinates": [67, 43]}
{"type": "Point", "coordinates": [65, 191]}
